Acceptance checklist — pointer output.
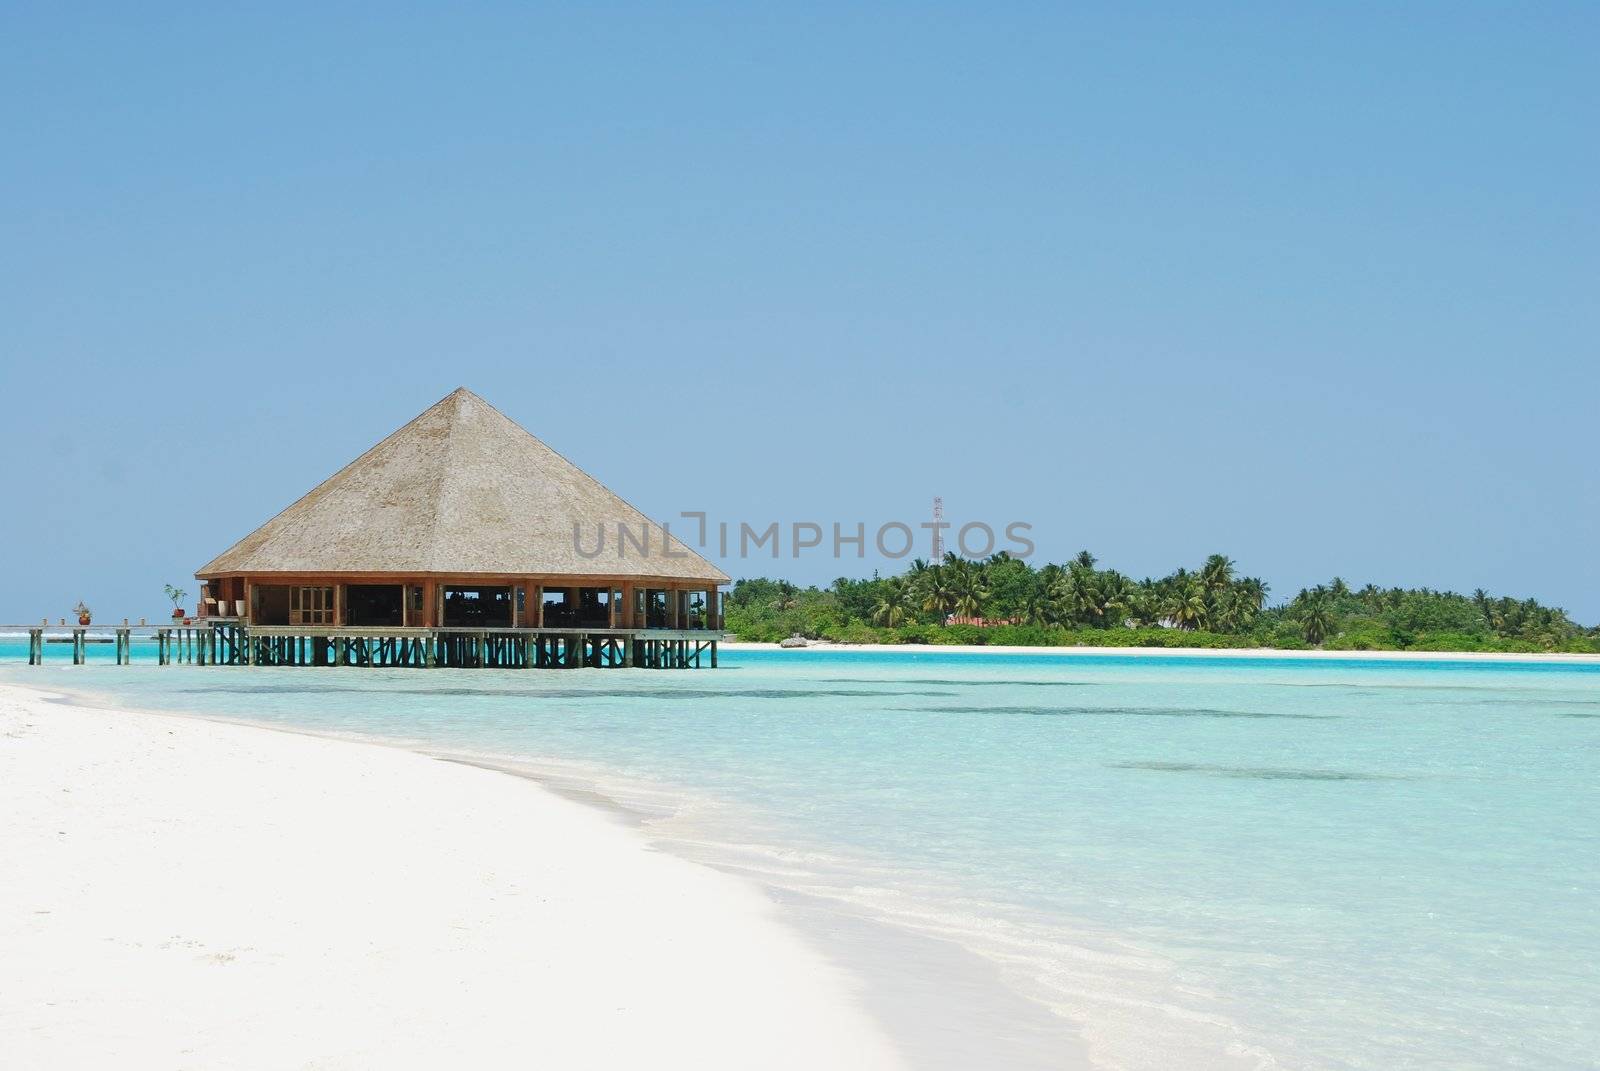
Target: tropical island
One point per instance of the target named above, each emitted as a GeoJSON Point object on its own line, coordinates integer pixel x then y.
{"type": "Point", "coordinates": [1006, 601]}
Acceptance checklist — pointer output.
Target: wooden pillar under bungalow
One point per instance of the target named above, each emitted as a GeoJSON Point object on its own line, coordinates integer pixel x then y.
{"type": "Point", "coordinates": [463, 522]}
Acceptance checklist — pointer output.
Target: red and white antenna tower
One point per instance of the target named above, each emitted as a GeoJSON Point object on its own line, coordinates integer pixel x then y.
{"type": "Point", "coordinates": [938, 530]}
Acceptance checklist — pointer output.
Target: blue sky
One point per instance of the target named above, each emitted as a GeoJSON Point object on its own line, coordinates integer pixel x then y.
{"type": "Point", "coordinates": [1316, 289]}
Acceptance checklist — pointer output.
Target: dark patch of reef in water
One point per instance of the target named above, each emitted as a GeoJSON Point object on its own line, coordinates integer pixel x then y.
{"type": "Point", "coordinates": [967, 684]}
{"type": "Point", "coordinates": [1133, 712]}
{"type": "Point", "coordinates": [1257, 773]}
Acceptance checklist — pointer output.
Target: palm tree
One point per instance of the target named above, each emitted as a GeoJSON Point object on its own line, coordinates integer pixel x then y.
{"type": "Point", "coordinates": [1037, 608]}
{"type": "Point", "coordinates": [1254, 589]}
{"type": "Point", "coordinates": [968, 593]}
{"type": "Point", "coordinates": [1073, 593]}
{"type": "Point", "coordinates": [1146, 604]}
{"type": "Point", "coordinates": [1217, 572]}
{"type": "Point", "coordinates": [1117, 595]}
{"type": "Point", "coordinates": [894, 603]}
{"type": "Point", "coordinates": [1187, 605]}
{"type": "Point", "coordinates": [1040, 607]}
{"type": "Point", "coordinates": [1243, 606]}
{"type": "Point", "coordinates": [935, 590]}
{"type": "Point", "coordinates": [1317, 620]}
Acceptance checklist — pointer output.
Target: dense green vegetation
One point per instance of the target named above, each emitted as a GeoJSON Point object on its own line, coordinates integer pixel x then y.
{"type": "Point", "coordinates": [1007, 601]}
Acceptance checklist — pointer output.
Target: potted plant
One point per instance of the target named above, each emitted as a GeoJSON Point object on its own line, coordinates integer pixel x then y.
{"type": "Point", "coordinates": [177, 595]}
{"type": "Point", "coordinates": [83, 612]}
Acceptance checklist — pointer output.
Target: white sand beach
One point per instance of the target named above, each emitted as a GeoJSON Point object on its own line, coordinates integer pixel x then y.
{"type": "Point", "coordinates": [188, 894]}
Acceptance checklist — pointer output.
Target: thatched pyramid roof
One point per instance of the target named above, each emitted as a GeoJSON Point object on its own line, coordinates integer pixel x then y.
{"type": "Point", "coordinates": [462, 490]}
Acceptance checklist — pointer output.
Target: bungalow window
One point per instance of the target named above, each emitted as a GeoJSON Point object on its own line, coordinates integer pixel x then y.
{"type": "Point", "coordinates": [374, 604]}
{"type": "Point", "coordinates": [487, 607]}
{"type": "Point", "coordinates": [311, 606]}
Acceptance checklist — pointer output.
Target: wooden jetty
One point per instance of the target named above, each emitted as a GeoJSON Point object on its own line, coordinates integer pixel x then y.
{"type": "Point", "coordinates": [78, 636]}
{"type": "Point", "coordinates": [232, 643]}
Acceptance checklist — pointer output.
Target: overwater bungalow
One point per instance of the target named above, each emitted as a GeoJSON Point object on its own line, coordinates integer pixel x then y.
{"type": "Point", "coordinates": [461, 539]}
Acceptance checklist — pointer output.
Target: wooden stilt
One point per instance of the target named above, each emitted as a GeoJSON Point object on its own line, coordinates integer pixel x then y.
{"type": "Point", "coordinates": [235, 643]}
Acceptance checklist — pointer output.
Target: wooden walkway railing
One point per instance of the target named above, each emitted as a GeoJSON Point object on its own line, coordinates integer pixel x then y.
{"type": "Point", "coordinates": [231, 643]}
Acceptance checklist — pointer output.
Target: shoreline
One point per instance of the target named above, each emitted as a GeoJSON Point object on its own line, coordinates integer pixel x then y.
{"type": "Point", "coordinates": [1261, 653]}
{"type": "Point", "coordinates": [1092, 974]}
{"type": "Point", "coordinates": [943, 1005]}
{"type": "Point", "coordinates": [267, 870]}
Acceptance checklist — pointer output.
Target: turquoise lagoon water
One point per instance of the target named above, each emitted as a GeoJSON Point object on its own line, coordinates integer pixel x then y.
{"type": "Point", "coordinates": [1203, 863]}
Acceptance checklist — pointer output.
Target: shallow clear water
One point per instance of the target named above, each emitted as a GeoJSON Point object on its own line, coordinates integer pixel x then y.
{"type": "Point", "coordinates": [1205, 862]}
